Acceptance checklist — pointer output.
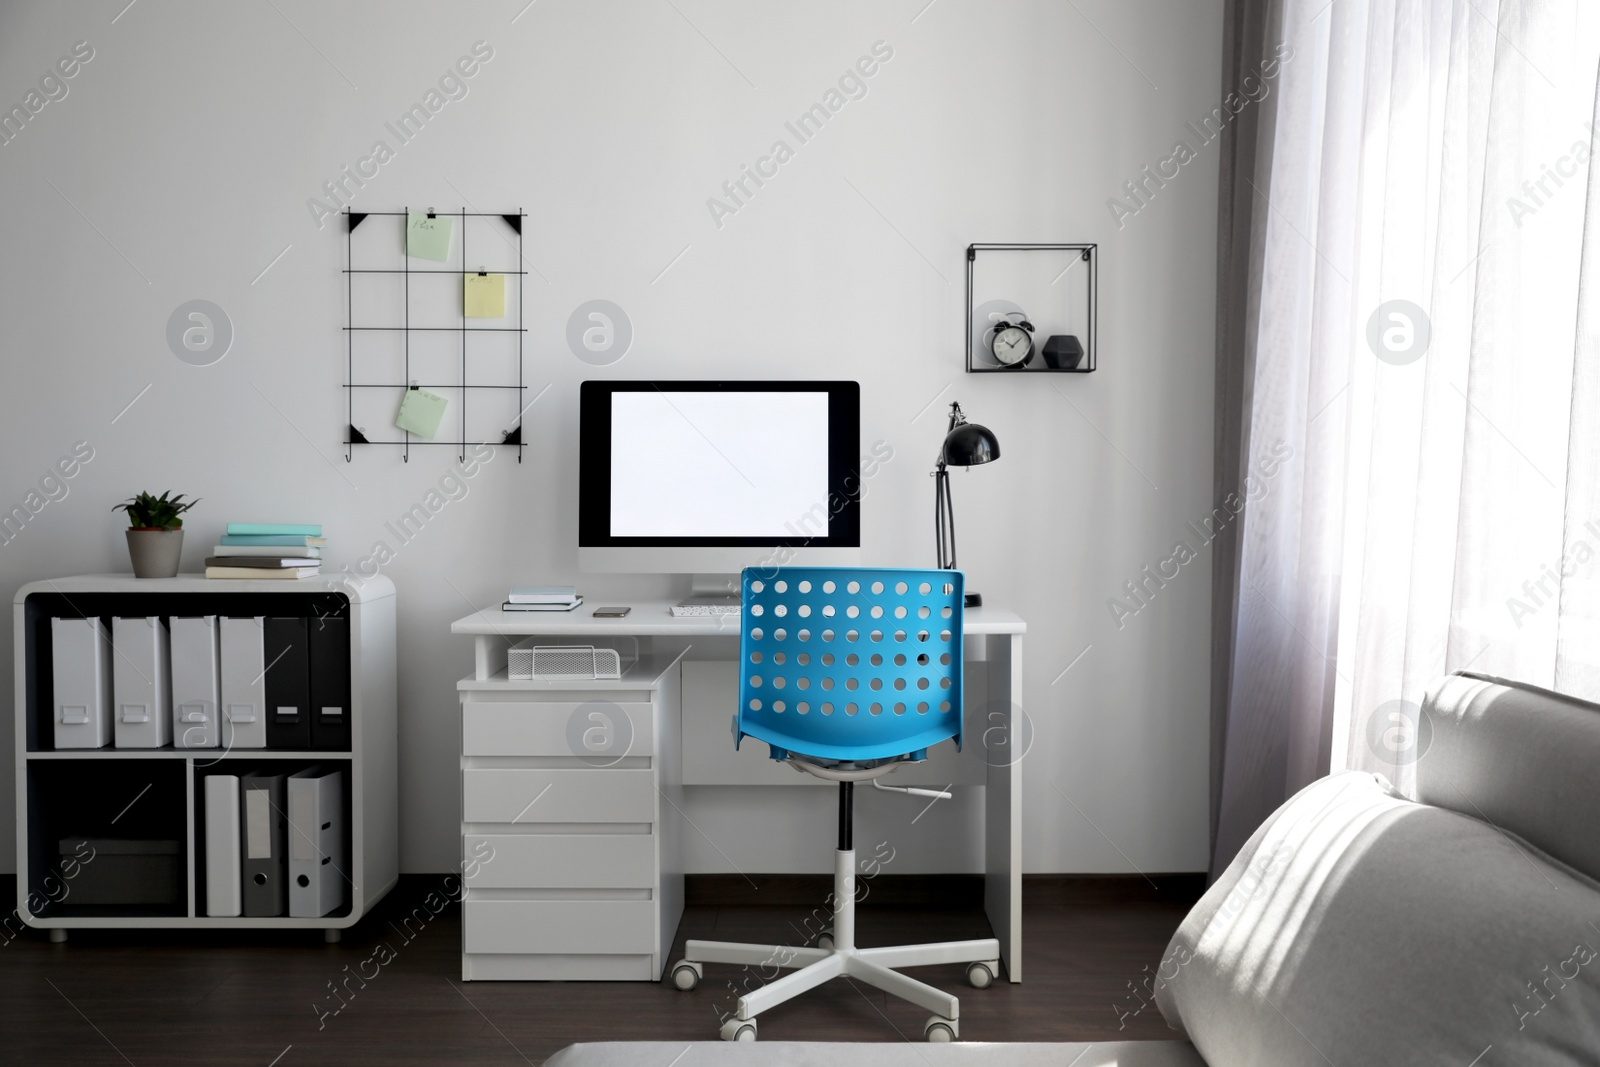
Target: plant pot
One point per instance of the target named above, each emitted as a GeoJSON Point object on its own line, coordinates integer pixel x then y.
{"type": "Point", "coordinates": [155, 552]}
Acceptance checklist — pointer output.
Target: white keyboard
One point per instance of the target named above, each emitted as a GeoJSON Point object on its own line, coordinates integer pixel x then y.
{"type": "Point", "coordinates": [718, 606]}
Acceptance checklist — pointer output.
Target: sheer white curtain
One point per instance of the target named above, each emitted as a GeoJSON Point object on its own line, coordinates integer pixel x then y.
{"type": "Point", "coordinates": [1472, 473]}
{"type": "Point", "coordinates": [1421, 327]}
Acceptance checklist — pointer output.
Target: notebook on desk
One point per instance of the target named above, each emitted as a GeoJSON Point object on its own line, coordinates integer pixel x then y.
{"type": "Point", "coordinates": [542, 594]}
{"type": "Point", "coordinates": [565, 605]}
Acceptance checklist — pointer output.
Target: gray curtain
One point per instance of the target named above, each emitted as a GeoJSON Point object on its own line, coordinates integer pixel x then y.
{"type": "Point", "coordinates": [1286, 251]}
{"type": "Point", "coordinates": [1244, 31]}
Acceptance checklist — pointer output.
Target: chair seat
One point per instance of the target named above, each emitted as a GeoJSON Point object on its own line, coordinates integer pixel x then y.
{"type": "Point", "coordinates": [848, 770]}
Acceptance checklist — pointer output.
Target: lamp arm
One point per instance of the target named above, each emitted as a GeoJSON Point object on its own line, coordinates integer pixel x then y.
{"type": "Point", "coordinates": [944, 519]}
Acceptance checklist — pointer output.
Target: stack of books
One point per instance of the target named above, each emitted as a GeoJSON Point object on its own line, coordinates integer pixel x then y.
{"type": "Point", "coordinates": [542, 598]}
{"type": "Point", "coordinates": [267, 550]}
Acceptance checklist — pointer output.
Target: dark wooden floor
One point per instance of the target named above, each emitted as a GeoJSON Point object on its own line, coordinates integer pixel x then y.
{"type": "Point", "coordinates": [178, 997]}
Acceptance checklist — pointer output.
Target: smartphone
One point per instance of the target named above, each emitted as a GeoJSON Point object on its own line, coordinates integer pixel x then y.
{"type": "Point", "coordinates": [611, 613]}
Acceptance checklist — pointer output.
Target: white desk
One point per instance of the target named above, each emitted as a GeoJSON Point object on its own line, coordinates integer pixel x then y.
{"type": "Point", "coordinates": [993, 698]}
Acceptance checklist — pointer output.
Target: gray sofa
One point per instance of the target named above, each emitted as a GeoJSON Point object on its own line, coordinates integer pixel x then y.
{"type": "Point", "coordinates": [877, 1054]}
{"type": "Point", "coordinates": [1358, 927]}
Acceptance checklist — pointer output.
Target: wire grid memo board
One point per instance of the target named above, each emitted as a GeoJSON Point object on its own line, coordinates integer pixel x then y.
{"type": "Point", "coordinates": [406, 325]}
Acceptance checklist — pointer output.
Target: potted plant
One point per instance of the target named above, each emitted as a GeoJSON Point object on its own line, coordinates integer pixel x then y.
{"type": "Point", "coordinates": [155, 534]}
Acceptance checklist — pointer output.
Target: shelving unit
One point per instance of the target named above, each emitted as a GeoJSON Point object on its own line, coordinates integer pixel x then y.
{"type": "Point", "coordinates": [1088, 255]}
{"type": "Point", "coordinates": [158, 794]}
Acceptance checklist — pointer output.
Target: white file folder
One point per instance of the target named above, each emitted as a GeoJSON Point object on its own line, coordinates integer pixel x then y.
{"type": "Point", "coordinates": [316, 842]}
{"type": "Point", "coordinates": [223, 878]}
{"type": "Point", "coordinates": [196, 688]}
{"type": "Point", "coordinates": [81, 671]}
{"type": "Point", "coordinates": [141, 689]}
{"type": "Point", "coordinates": [244, 685]}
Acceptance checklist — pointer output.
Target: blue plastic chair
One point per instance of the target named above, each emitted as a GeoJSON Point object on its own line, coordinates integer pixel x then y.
{"type": "Point", "coordinates": [848, 674]}
{"type": "Point", "coordinates": [849, 664]}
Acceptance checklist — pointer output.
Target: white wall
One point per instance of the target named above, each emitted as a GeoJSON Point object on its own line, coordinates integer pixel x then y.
{"type": "Point", "coordinates": [180, 162]}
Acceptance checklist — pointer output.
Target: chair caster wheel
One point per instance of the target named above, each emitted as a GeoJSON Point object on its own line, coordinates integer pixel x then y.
{"type": "Point", "coordinates": [825, 940]}
{"type": "Point", "coordinates": [739, 1030]}
{"type": "Point", "coordinates": [982, 975]}
{"type": "Point", "coordinates": [686, 975]}
{"type": "Point", "coordinates": [941, 1030]}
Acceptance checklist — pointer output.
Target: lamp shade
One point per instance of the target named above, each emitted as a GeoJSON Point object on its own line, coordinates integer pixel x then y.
{"type": "Point", "coordinates": [970, 444]}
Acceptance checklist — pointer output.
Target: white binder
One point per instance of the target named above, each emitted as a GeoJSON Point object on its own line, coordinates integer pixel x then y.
{"type": "Point", "coordinates": [196, 689]}
{"type": "Point", "coordinates": [244, 685]}
{"type": "Point", "coordinates": [223, 885]}
{"type": "Point", "coordinates": [81, 671]}
{"type": "Point", "coordinates": [316, 842]}
{"type": "Point", "coordinates": [141, 688]}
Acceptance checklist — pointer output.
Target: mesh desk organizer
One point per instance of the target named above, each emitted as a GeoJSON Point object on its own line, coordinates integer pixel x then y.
{"type": "Point", "coordinates": [530, 660]}
{"type": "Point", "coordinates": [848, 674]}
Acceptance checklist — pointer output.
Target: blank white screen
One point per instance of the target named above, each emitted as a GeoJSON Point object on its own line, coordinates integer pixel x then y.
{"type": "Point", "coordinates": [751, 464]}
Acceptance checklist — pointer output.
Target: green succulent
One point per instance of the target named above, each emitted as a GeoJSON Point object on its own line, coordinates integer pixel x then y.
{"type": "Point", "coordinates": [161, 512]}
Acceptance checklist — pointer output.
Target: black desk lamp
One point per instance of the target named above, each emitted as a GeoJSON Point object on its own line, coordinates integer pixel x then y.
{"type": "Point", "coordinates": [965, 444]}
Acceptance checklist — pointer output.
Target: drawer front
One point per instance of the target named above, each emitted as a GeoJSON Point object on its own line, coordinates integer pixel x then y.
{"type": "Point", "coordinates": [507, 795]}
{"type": "Point", "coordinates": [559, 926]}
{"type": "Point", "coordinates": [550, 967]}
{"type": "Point", "coordinates": [561, 861]}
{"type": "Point", "coordinates": [597, 730]}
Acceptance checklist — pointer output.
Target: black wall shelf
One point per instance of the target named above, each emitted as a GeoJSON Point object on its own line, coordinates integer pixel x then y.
{"type": "Point", "coordinates": [510, 436]}
{"type": "Point", "coordinates": [1089, 255]}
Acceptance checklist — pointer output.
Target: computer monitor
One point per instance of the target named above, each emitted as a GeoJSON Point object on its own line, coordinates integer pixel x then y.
{"type": "Point", "coordinates": [708, 478]}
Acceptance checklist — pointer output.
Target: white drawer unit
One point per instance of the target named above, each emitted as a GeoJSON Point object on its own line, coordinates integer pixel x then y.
{"type": "Point", "coordinates": [571, 805]}
{"type": "Point", "coordinates": [509, 796]}
{"type": "Point", "coordinates": [529, 728]}
{"type": "Point", "coordinates": [562, 861]}
{"type": "Point", "coordinates": [563, 927]}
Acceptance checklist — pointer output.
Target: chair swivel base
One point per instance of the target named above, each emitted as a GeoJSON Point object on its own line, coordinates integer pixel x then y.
{"type": "Point", "coordinates": [873, 966]}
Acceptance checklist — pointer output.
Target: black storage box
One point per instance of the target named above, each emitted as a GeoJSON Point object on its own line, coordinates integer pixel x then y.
{"type": "Point", "coordinates": [119, 871]}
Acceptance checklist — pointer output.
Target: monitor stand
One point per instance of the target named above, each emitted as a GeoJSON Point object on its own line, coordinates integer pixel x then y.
{"type": "Point", "coordinates": [726, 585]}
{"type": "Point", "coordinates": [711, 594]}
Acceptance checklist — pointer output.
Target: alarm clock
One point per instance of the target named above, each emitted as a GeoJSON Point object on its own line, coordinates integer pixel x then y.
{"type": "Point", "coordinates": [1011, 341]}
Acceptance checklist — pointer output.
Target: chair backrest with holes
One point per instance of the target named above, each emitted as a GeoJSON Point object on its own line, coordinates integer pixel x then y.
{"type": "Point", "coordinates": [850, 663]}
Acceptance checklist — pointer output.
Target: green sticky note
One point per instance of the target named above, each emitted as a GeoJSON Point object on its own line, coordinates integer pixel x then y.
{"type": "Point", "coordinates": [485, 296]}
{"type": "Point", "coordinates": [428, 238]}
{"type": "Point", "coordinates": [421, 412]}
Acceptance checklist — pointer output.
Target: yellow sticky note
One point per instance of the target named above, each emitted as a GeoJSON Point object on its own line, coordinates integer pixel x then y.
{"type": "Point", "coordinates": [485, 296]}
{"type": "Point", "coordinates": [428, 238]}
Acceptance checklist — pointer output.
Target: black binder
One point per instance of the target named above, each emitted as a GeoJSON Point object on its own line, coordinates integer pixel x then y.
{"type": "Point", "coordinates": [330, 683]}
{"type": "Point", "coordinates": [264, 822]}
{"type": "Point", "coordinates": [288, 683]}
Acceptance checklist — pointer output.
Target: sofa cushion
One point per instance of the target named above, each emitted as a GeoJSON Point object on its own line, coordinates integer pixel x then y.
{"type": "Point", "coordinates": [1357, 927]}
{"type": "Point", "coordinates": [1519, 757]}
{"type": "Point", "coordinates": [875, 1054]}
